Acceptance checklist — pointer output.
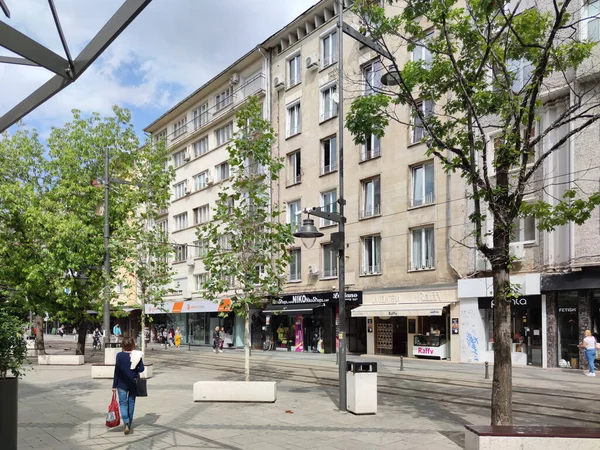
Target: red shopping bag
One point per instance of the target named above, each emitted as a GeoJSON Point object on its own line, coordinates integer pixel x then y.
{"type": "Point", "coordinates": [113, 418]}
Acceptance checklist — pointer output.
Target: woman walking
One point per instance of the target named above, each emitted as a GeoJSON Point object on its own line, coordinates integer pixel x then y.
{"type": "Point", "coordinates": [216, 340]}
{"type": "Point", "coordinates": [177, 337]}
{"type": "Point", "coordinates": [128, 367]}
{"type": "Point", "coordinates": [589, 343]}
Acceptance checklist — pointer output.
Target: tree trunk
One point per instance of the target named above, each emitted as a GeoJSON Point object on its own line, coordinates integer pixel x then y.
{"type": "Point", "coordinates": [81, 335]}
{"type": "Point", "coordinates": [247, 343]}
{"type": "Point", "coordinates": [502, 382]}
{"type": "Point", "coordinates": [39, 335]}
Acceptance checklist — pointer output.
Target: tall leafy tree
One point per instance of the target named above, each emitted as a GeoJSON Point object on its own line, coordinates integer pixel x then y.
{"type": "Point", "coordinates": [247, 242]}
{"type": "Point", "coordinates": [488, 69]}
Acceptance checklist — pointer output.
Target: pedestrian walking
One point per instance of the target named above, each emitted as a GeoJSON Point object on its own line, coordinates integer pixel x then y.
{"type": "Point", "coordinates": [589, 344]}
{"type": "Point", "coordinates": [164, 338]}
{"type": "Point", "coordinates": [170, 338]}
{"type": "Point", "coordinates": [216, 340]}
{"type": "Point", "coordinates": [177, 337]}
{"type": "Point", "coordinates": [128, 367]}
{"type": "Point", "coordinates": [221, 339]}
{"type": "Point", "coordinates": [60, 331]}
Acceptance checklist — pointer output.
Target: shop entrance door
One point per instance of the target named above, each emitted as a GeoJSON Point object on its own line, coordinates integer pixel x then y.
{"type": "Point", "coordinates": [400, 335]}
{"type": "Point", "coordinates": [534, 339]}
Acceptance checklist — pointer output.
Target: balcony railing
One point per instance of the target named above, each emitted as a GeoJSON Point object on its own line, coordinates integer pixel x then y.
{"type": "Point", "coordinates": [328, 168]}
{"type": "Point", "coordinates": [427, 200]}
{"type": "Point", "coordinates": [371, 153]}
{"type": "Point", "coordinates": [428, 263]}
{"type": "Point", "coordinates": [253, 86]}
{"type": "Point", "coordinates": [330, 273]}
{"type": "Point", "coordinates": [294, 179]}
{"type": "Point", "coordinates": [329, 113]}
{"type": "Point", "coordinates": [371, 270]}
{"type": "Point", "coordinates": [371, 211]}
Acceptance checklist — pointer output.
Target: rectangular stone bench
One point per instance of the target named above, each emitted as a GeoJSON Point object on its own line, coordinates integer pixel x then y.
{"type": "Point", "coordinates": [106, 371]}
{"type": "Point", "coordinates": [61, 360]}
{"type": "Point", "coordinates": [235, 391]}
{"type": "Point", "coordinates": [509, 437]}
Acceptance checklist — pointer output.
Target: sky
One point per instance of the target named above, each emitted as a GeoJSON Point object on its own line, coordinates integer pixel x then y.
{"type": "Point", "coordinates": [169, 50]}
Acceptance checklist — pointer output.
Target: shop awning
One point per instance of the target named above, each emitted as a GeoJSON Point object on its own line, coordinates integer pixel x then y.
{"type": "Point", "coordinates": [404, 310]}
{"type": "Point", "coordinates": [190, 306]}
{"type": "Point", "coordinates": [293, 309]}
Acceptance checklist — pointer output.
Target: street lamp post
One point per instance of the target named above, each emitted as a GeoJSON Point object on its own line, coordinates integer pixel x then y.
{"type": "Point", "coordinates": [106, 316]}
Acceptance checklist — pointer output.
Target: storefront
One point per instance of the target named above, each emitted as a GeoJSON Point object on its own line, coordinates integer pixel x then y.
{"type": "Point", "coordinates": [196, 319]}
{"type": "Point", "coordinates": [308, 322]}
{"type": "Point", "coordinates": [410, 323]}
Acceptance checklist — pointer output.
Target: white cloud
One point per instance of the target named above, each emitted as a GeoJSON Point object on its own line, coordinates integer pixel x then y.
{"type": "Point", "coordinates": [170, 49]}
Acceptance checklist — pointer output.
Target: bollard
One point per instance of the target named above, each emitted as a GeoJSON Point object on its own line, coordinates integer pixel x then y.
{"type": "Point", "coordinates": [337, 358]}
{"type": "Point", "coordinates": [189, 346]}
{"type": "Point", "coordinates": [487, 372]}
{"type": "Point", "coordinates": [401, 364]}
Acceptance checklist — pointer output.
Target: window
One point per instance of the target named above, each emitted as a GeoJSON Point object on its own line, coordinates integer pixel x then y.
{"type": "Point", "coordinates": [200, 116]}
{"type": "Point", "coordinates": [294, 70]}
{"type": "Point", "coordinates": [230, 203]}
{"type": "Point", "coordinates": [422, 185]}
{"type": "Point", "coordinates": [328, 155]}
{"type": "Point", "coordinates": [523, 230]}
{"type": "Point", "coordinates": [163, 226]}
{"type": "Point", "coordinates": [161, 136]}
{"type": "Point", "coordinates": [421, 53]}
{"type": "Point", "coordinates": [199, 280]}
{"type": "Point", "coordinates": [293, 218]}
{"type": "Point", "coordinates": [371, 191]}
{"type": "Point", "coordinates": [329, 106]}
{"type": "Point", "coordinates": [328, 204]}
{"type": "Point", "coordinates": [371, 148]}
{"type": "Point", "coordinates": [418, 132]}
{"type": "Point", "coordinates": [329, 261]}
{"type": "Point", "coordinates": [593, 23]}
{"type": "Point", "coordinates": [371, 77]}
{"type": "Point", "coordinates": [329, 48]}
{"type": "Point", "coordinates": [224, 98]}
{"type": "Point", "coordinates": [200, 147]}
{"type": "Point", "coordinates": [294, 168]}
{"type": "Point", "coordinates": [201, 214]}
{"type": "Point", "coordinates": [181, 252]}
{"type": "Point", "coordinates": [222, 171]}
{"type": "Point", "coordinates": [180, 189]}
{"type": "Point", "coordinates": [423, 250]}
{"type": "Point", "coordinates": [200, 180]}
{"type": "Point", "coordinates": [225, 242]}
{"type": "Point", "coordinates": [179, 158]}
{"type": "Point", "coordinates": [295, 265]}
{"type": "Point", "coordinates": [180, 127]}
{"type": "Point", "coordinates": [522, 71]}
{"type": "Point", "coordinates": [294, 120]}
{"type": "Point", "coordinates": [224, 134]}
{"type": "Point", "coordinates": [200, 248]}
{"type": "Point", "coordinates": [371, 255]}
{"type": "Point", "coordinates": [180, 221]}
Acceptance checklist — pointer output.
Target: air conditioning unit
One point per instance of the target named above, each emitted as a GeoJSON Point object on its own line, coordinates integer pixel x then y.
{"type": "Point", "coordinates": [312, 61]}
{"type": "Point", "coordinates": [313, 270]}
{"type": "Point", "coordinates": [186, 156]}
{"type": "Point", "coordinates": [278, 82]}
{"type": "Point", "coordinates": [517, 250]}
{"type": "Point", "coordinates": [188, 191]}
{"type": "Point", "coordinates": [191, 262]}
{"type": "Point", "coordinates": [235, 78]}
{"type": "Point", "coordinates": [209, 181]}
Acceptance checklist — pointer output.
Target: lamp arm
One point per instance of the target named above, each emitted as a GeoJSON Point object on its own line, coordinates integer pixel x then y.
{"type": "Point", "coordinates": [317, 211]}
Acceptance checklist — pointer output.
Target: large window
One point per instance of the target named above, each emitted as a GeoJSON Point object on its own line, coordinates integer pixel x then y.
{"type": "Point", "coordinates": [199, 280]}
{"type": "Point", "coordinates": [180, 190]}
{"type": "Point", "coordinates": [161, 136]}
{"type": "Point", "coordinates": [521, 71]}
{"type": "Point", "coordinates": [180, 127]}
{"type": "Point", "coordinates": [371, 148]}
{"type": "Point", "coordinates": [421, 53]}
{"type": "Point", "coordinates": [329, 49]}
{"type": "Point", "coordinates": [179, 158]}
{"type": "Point", "coordinates": [181, 252]}
{"type": "Point", "coordinates": [371, 201]}
{"type": "Point", "coordinates": [200, 247]}
{"type": "Point", "coordinates": [593, 24]}
{"type": "Point", "coordinates": [294, 168]}
{"type": "Point", "coordinates": [328, 155]}
{"type": "Point", "coordinates": [293, 216]}
{"type": "Point", "coordinates": [200, 116]}
{"type": "Point", "coordinates": [329, 106]}
{"type": "Point", "coordinates": [294, 70]}
{"type": "Point", "coordinates": [224, 98]}
{"type": "Point", "coordinates": [418, 132]}
{"type": "Point", "coordinates": [328, 204]}
{"type": "Point", "coordinates": [294, 120]}
{"type": "Point", "coordinates": [423, 249]}
{"type": "Point", "coordinates": [180, 221]}
{"type": "Point", "coordinates": [200, 180]}
{"type": "Point", "coordinates": [222, 171]}
{"type": "Point", "coordinates": [200, 147]}
{"type": "Point", "coordinates": [224, 134]}
{"type": "Point", "coordinates": [371, 77]}
{"type": "Point", "coordinates": [295, 265]}
{"type": "Point", "coordinates": [329, 261]}
{"type": "Point", "coordinates": [422, 185]}
{"type": "Point", "coordinates": [371, 255]}
{"type": "Point", "coordinates": [201, 214]}
{"type": "Point", "coordinates": [524, 230]}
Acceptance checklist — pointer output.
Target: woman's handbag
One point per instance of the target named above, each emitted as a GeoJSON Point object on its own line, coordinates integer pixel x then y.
{"type": "Point", "coordinates": [141, 387]}
{"type": "Point", "coordinates": [113, 418]}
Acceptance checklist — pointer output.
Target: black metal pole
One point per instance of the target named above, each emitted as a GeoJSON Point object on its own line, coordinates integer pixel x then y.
{"type": "Point", "coordinates": [401, 364]}
{"type": "Point", "coordinates": [106, 318]}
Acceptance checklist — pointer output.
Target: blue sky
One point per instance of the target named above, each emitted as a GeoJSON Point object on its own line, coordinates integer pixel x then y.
{"type": "Point", "coordinates": [170, 50]}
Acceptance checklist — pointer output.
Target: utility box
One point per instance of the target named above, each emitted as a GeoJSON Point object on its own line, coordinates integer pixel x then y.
{"type": "Point", "coordinates": [361, 387]}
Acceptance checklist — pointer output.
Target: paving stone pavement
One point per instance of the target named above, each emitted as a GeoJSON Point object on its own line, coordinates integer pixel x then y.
{"type": "Point", "coordinates": [63, 408]}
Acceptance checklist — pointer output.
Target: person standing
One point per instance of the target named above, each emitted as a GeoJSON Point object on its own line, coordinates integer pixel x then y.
{"type": "Point", "coordinates": [589, 344]}
{"type": "Point", "coordinates": [170, 337]}
{"type": "Point", "coordinates": [216, 340]}
{"type": "Point", "coordinates": [177, 337]}
{"type": "Point", "coordinates": [128, 367]}
{"type": "Point", "coordinates": [221, 339]}
{"type": "Point", "coordinates": [117, 332]}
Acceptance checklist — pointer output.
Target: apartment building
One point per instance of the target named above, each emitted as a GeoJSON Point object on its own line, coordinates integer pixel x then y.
{"type": "Point", "coordinates": [197, 131]}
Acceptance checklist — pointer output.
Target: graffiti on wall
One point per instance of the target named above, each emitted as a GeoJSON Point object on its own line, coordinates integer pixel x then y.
{"type": "Point", "coordinates": [472, 342]}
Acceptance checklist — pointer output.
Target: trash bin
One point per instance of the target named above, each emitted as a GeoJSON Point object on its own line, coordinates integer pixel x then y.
{"type": "Point", "coordinates": [361, 387]}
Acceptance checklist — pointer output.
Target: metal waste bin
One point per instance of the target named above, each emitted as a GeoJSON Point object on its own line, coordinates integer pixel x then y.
{"type": "Point", "coordinates": [361, 387]}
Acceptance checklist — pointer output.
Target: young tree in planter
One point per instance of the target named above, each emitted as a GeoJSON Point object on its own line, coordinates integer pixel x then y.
{"type": "Point", "coordinates": [247, 243]}
{"type": "Point", "coordinates": [475, 91]}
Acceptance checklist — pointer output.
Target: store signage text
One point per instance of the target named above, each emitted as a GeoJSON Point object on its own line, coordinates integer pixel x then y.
{"type": "Point", "coordinates": [412, 297]}
{"type": "Point", "coordinates": [317, 297]}
{"type": "Point", "coordinates": [567, 310]}
{"type": "Point", "coordinates": [425, 351]}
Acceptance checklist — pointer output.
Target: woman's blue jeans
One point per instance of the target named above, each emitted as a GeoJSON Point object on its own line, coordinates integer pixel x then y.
{"type": "Point", "coordinates": [126, 405]}
{"type": "Point", "coordinates": [590, 354]}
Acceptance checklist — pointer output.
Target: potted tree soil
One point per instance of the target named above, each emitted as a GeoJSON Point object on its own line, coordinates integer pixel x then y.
{"type": "Point", "coordinates": [13, 351]}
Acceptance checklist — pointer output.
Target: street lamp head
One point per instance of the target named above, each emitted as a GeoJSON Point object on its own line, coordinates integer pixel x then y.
{"type": "Point", "coordinates": [391, 77]}
{"type": "Point", "coordinates": [308, 233]}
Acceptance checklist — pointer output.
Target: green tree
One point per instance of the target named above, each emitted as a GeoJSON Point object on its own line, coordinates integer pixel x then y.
{"type": "Point", "coordinates": [247, 242]}
{"type": "Point", "coordinates": [489, 68]}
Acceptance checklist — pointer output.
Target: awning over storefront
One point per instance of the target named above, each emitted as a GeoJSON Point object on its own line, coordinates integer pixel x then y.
{"type": "Point", "coordinates": [190, 306]}
{"type": "Point", "coordinates": [404, 309]}
{"type": "Point", "coordinates": [300, 308]}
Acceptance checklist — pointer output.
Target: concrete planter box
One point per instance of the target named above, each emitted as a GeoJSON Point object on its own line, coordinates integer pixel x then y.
{"type": "Point", "coordinates": [110, 355]}
{"type": "Point", "coordinates": [31, 350]}
{"type": "Point", "coordinates": [235, 391]}
{"type": "Point", "coordinates": [61, 360]}
{"type": "Point", "coordinates": [531, 437]}
{"type": "Point", "coordinates": [106, 371]}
